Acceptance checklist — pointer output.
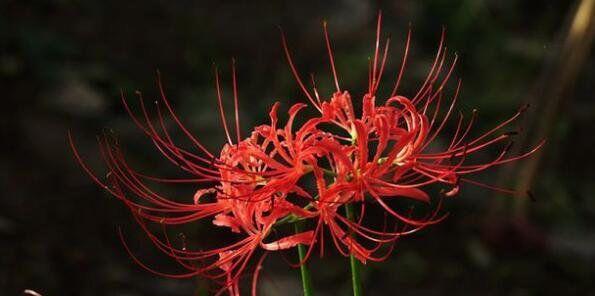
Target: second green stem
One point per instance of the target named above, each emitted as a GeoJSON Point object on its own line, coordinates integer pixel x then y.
{"type": "Point", "coordinates": [305, 273]}
{"type": "Point", "coordinates": [356, 280]}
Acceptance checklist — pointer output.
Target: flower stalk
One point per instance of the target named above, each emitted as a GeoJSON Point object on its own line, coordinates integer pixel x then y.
{"type": "Point", "coordinates": [304, 271]}
{"type": "Point", "coordinates": [354, 264]}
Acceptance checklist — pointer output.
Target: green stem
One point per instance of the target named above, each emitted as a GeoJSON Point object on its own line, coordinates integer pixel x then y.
{"type": "Point", "coordinates": [356, 280]}
{"type": "Point", "coordinates": [305, 273]}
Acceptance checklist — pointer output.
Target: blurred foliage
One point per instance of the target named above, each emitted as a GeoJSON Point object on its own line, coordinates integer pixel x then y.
{"type": "Point", "coordinates": [64, 62]}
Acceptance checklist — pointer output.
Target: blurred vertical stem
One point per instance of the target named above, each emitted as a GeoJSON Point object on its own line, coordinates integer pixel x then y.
{"type": "Point", "coordinates": [305, 273]}
{"type": "Point", "coordinates": [554, 89]}
{"type": "Point", "coordinates": [356, 280]}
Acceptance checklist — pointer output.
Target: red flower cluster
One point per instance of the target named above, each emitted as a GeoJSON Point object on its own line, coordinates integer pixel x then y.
{"type": "Point", "coordinates": [309, 173]}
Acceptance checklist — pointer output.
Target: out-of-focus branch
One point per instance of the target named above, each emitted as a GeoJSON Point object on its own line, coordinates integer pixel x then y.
{"type": "Point", "coordinates": [555, 87]}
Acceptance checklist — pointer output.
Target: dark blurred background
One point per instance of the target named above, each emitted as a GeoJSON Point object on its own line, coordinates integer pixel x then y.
{"type": "Point", "coordinates": [63, 63]}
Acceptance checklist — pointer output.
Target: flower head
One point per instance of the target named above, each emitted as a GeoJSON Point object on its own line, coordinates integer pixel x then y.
{"type": "Point", "coordinates": [307, 173]}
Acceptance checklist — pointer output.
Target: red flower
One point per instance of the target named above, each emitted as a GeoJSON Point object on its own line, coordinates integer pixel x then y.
{"type": "Point", "coordinates": [255, 185]}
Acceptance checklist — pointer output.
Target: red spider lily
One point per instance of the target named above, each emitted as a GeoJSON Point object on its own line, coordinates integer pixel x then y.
{"type": "Point", "coordinates": [254, 185]}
